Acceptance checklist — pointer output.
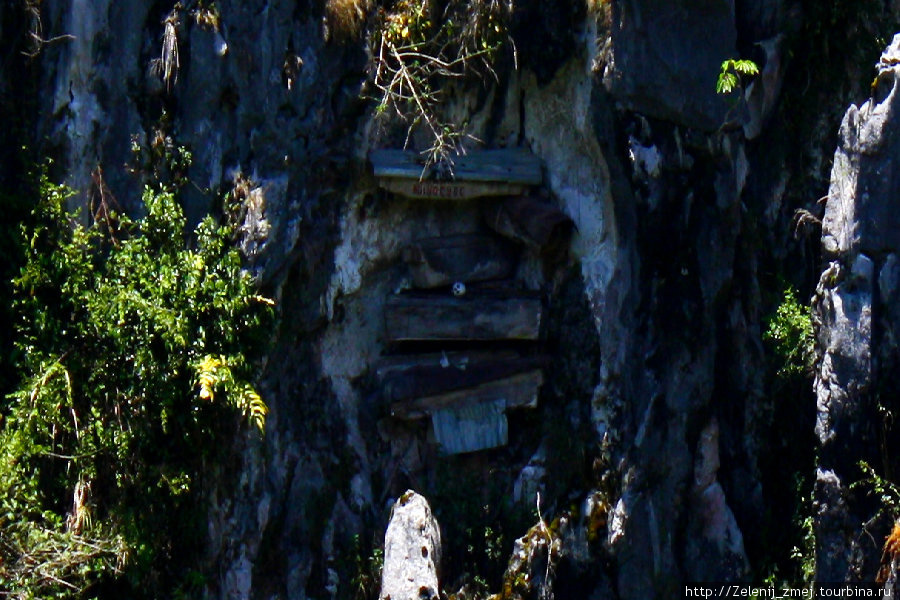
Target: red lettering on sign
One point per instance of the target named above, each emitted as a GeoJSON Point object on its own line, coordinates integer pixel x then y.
{"type": "Point", "coordinates": [439, 190]}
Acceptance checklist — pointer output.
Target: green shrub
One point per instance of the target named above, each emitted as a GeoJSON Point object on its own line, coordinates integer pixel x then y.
{"type": "Point", "coordinates": [790, 332]}
{"type": "Point", "coordinates": [134, 352]}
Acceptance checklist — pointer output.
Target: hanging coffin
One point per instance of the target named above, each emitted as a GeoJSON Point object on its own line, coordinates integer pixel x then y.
{"type": "Point", "coordinates": [449, 372]}
{"type": "Point", "coordinates": [516, 391]}
{"type": "Point", "coordinates": [442, 261]}
{"type": "Point", "coordinates": [473, 419]}
{"type": "Point", "coordinates": [463, 177]}
{"type": "Point", "coordinates": [410, 318]}
{"type": "Point", "coordinates": [469, 428]}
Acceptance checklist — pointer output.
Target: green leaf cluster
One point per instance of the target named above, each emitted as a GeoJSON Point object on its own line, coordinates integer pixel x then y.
{"type": "Point", "coordinates": [731, 73]}
{"type": "Point", "coordinates": [887, 492]}
{"type": "Point", "coordinates": [366, 581]}
{"type": "Point", "coordinates": [790, 333]}
{"type": "Point", "coordinates": [135, 342]}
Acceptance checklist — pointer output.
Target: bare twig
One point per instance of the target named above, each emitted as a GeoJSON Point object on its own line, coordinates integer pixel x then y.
{"type": "Point", "coordinates": [412, 57]}
{"type": "Point", "coordinates": [36, 30]}
{"type": "Point", "coordinates": [168, 63]}
{"type": "Point", "coordinates": [805, 222]}
{"type": "Point", "coordinates": [103, 205]}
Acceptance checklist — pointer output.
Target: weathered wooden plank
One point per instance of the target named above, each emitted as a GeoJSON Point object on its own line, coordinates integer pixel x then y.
{"type": "Point", "coordinates": [418, 380]}
{"type": "Point", "coordinates": [440, 261]}
{"type": "Point", "coordinates": [420, 318]}
{"type": "Point", "coordinates": [516, 391]}
{"type": "Point", "coordinates": [450, 190]}
{"type": "Point", "coordinates": [388, 366]}
{"type": "Point", "coordinates": [528, 220]}
{"type": "Point", "coordinates": [514, 165]}
{"type": "Point", "coordinates": [469, 428]}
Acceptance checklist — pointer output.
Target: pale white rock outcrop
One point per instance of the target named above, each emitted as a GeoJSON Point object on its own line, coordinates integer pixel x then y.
{"type": "Point", "coordinates": [412, 551]}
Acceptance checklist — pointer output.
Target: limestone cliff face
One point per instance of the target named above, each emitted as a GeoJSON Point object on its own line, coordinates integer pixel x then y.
{"type": "Point", "coordinates": [856, 306]}
{"type": "Point", "coordinates": [656, 419]}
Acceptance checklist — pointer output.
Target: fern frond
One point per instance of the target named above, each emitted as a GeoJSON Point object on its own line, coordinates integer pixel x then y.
{"type": "Point", "coordinates": [255, 408]}
{"type": "Point", "coordinates": [213, 374]}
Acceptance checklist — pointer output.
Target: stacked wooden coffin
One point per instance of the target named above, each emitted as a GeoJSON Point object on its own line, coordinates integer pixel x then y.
{"type": "Point", "coordinates": [464, 340]}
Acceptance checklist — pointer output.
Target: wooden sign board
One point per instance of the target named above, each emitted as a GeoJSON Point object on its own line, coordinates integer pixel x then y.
{"type": "Point", "coordinates": [409, 318]}
{"type": "Point", "coordinates": [473, 175]}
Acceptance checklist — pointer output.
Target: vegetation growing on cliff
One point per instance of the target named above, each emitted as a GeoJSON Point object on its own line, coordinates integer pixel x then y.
{"type": "Point", "coordinates": [419, 47]}
{"type": "Point", "coordinates": [787, 539]}
{"type": "Point", "coordinates": [732, 74]}
{"type": "Point", "coordinates": [134, 353]}
{"type": "Point", "coordinates": [790, 334]}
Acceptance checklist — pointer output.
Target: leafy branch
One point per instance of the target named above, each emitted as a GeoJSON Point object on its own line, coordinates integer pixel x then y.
{"type": "Point", "coordinates": [733, 73]}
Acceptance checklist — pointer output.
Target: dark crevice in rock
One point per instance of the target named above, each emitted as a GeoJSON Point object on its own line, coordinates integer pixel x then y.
{"type": "Point", "coordinates": [545, 34]}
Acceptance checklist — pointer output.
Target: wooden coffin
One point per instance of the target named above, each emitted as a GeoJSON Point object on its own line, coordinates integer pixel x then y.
{"type": "Point", "coordinates": [516, 391]}
{"type": "Point", "coordinates": [448, 372]}
{"type": "Point", "coordinates": [528, 220]}
{"type": "Point", "coordinates": [411, 318]}
{"type": "Point", "coordinates": [476, 174]}
{"type": "Point", "coordinates": [389, 366]}
{"type": "Point", "coordinates": [442, 261]}
{"type": "Point", "coordinates": [471, 427]}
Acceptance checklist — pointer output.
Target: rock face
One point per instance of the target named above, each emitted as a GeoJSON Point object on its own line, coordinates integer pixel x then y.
{"type": "Point", "coordinates": [857, 329]}
{"type": "Point", "coordinates": [412, 551]}
{"type": "Point", "coordinates": [667, 57]}
{"type": "Point", "coordinates": [712, 526]}
{"type": "Point", "coordinates": [656, 415]}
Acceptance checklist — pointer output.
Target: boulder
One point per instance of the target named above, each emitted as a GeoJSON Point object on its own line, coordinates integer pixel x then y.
{"type": "Point", "coordinates": [412, 551]}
